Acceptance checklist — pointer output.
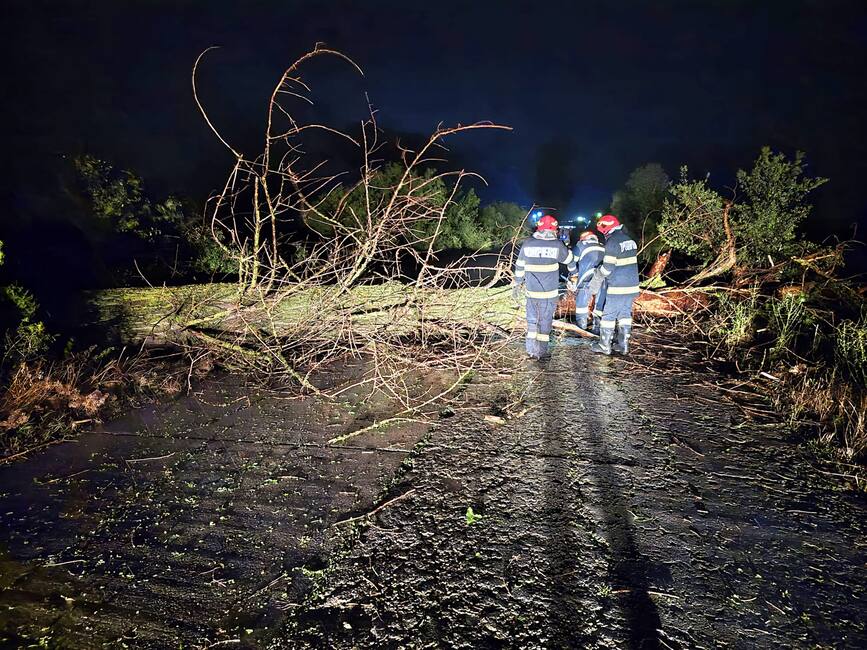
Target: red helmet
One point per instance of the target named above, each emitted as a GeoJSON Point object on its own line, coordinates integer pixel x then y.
{"type": "Point", "coordinates": [547, 223]}
{"type": "Point", "coordinates": [587, 234]}
{"type": "Point", "coordinates": [607, 223]}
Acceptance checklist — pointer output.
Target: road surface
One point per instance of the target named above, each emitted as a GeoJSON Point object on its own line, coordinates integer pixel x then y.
{"type": "Point", "coordinates": [628, 507]}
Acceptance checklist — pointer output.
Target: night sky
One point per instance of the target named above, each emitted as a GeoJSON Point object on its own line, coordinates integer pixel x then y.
{"type": "Point", "coordinates": [592, 89]}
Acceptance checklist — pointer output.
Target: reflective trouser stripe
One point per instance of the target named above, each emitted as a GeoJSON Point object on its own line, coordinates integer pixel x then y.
{"type": "Point", "coordinates": [597, 312]}
{"type": "Point", "coordinates": [543, 337]}
{"type": "Point", "coordinates": [623, 261]}
{"type": "Point", "coordinates": [609, 259]}
{"type": "Point", "coordinates": [542, 268]}
{"type": "Point", "coordinates": [519, 274]}
{"type": "Point", "coordinates": [624, 321]}
{"type": "Point", "coordinates": [621, 291]}
{"type": "Point", "coordinates": [544, 295]}
{"type": "Point", "coordinates": [520, 263]}
{"type": "Point", "coordinates": [531, 335]}
{"type": "Point", "coordinates": [608, 323]}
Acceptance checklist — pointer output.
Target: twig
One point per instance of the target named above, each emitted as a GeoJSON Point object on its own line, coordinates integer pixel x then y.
{"type": "Point", "coordinates": [375, 510]}
{"type": "Point", "coordinates": [143, 460]}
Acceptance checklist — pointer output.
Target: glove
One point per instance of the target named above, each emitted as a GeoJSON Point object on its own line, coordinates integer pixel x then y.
{"type": "Point", "coordinates": [516, 292]}
{"type": "Point", "coordinates": [572, 283]}
{"type": "Point", "coordinates": [595, 282]}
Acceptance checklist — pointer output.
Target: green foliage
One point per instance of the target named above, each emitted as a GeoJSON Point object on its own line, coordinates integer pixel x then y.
{"type": "Point", "coordinates": [850, 347]}
{"type": "Point", "coordinates": [461, 228]}
{"type": "Point", "coordinates": [787, 318]}
{"type": "Point", "coordinates": [692, 218]}
{"type": "Point", "coordinates": [776, 205]}
{"type": "Point", "coordinates": [30, 337]}
{"type": "Point", "coordinates": [465, 224]}
{"type": "Point", "coordinates": [23, 300]}
{"type": "Point", "coordinates": [208, 256]}
{"type": "Point", "coordinates": [501, 221]}
{"type": "Point", "coordinates": [118, 199]}
{"type": "Point", "coordinates": [116, 196]}
{"type": "Point", "coordinates": [733, 321]}
{"type": "Point", "coordinates": [472, 517]}
{"type": "Point", "coordinates": [765, 224]}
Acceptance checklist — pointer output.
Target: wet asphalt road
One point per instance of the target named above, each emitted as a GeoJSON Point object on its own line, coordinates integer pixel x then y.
{"type": "Point", "coordinates": [622, 510]}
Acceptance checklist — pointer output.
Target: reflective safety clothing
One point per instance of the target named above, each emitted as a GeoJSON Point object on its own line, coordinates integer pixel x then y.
{"type": "Point", "coordinates": [620, 268]}
{"type": "Point", "coordinates": [538, 268]}
{"type": "Point", "coordinates": [620, 263]}
{"type": "Point", "coordinates": [617, 311]}
{"type": "Point", "coordinates": [540, 316]}
{"type": "Point", "coordinates": [588, 253]}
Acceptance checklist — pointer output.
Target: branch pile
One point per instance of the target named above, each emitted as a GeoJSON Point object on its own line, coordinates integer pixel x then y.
{"type": "Point", "coordinates": [362, 281]}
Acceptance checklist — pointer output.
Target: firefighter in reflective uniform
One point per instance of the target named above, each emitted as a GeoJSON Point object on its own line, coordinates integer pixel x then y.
{"type": "Point", "coordinates": [538, 270]}
{"type": "Point", "coordinates": [619, 271]}
{"type": "Point", "coordinates": [588, 253]}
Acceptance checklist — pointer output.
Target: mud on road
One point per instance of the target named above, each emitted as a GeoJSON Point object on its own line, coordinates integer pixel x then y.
{"type": "Point", "coordinates": [621, 510]}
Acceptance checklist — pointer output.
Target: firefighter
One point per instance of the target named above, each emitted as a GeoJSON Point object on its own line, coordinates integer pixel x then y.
{"type": "Point", "coordinates": [619, 271]}
{"type": "Point", "coordinates": [588, 253]}
{"type": "Point", "coordinates": [538, 270]}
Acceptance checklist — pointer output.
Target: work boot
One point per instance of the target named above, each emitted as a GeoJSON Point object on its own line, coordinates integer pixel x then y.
{"type": "Point", "coordinates": [597, 325]}
{"type": "Point", "coordinates": [541, 349]}
{"type": "Point", "coordinates": [530, 346]}
{"type": "Point", "coordinates": [621, 346]}
{"type": "Point", "coordinates": [603, 345]}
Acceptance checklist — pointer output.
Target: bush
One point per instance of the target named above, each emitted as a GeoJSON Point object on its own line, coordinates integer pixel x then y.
{"type": "Point", "coordinates": [767, 223]}
{"type": "Point", "coordinates": [692, 219]}
{"type": "Point", "coordinates": [764, 227]}
{"type": "Point", "coordinates": [28, 338]}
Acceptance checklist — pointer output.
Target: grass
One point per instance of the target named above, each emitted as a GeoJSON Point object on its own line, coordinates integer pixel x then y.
{"type": "Point", "coordinates": [851, 347]}
{"type": "Point", "coordinates": [787, 317]}
{"type": "Point", "coordinates": [821, 367]}
{"type": "Point", "coordinates": [733, 322]}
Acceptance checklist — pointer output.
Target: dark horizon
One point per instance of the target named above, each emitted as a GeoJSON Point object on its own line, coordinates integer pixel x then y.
{"type": "Point", "coordinates": [592, 90]}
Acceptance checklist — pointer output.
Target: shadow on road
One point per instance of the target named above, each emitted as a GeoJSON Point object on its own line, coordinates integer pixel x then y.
{"type": "Point", "coordinates": [562, 552]}
{"type": "Point", "coordinates": [629, 571]}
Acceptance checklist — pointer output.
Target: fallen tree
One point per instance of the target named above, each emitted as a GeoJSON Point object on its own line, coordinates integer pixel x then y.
{"type": "Point", "coordinates": [364, 281]}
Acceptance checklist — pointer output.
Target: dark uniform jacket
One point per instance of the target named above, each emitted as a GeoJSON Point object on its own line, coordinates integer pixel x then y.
{"type": "Point", "coordinates": [588, 253]}
{"type": "Point", "coordinates": [538, 266]}
{"type": "Point", "coordinates": [620, 264]}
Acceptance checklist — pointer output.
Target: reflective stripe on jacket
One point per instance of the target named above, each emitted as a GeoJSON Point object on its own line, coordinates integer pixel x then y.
{"type": "Point", "coordinates": [620, 264]}
{"type": "Point", "coordinates": [589, 255]}
{"type": "Point", "coordinates": [538, 266]}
